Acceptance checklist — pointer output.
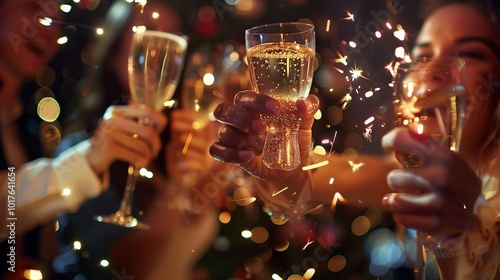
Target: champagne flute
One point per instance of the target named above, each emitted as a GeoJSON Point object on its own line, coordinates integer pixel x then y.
{"type": "Point", "coordinates": [281, 65]}
{"type": "Point", "coordinates": [155, 64]}
{"type": "Point", "coordinates": [429, 100]}
{"type": "Point", "coordinates": [201, 79]}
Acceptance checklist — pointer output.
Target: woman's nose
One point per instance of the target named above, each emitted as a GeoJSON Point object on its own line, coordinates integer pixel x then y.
{"type": "Point", "coordinates": [441, 71]}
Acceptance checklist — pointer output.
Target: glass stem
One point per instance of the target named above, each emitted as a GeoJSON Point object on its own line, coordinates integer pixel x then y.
{"type": "Point", "coordinates": [420, 257]}
{"type": "Point", "coordinates": [126, 203]}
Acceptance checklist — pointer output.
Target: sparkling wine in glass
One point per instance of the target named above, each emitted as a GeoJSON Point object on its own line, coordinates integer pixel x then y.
{"type": "Point", "coordinates": [429, 100]}
{"type": "Point", "coordinates": [201, 79]}
{"type": "Point", "coordinates": [155, 64]}
{"type": "Point", "coordinates": [281, 60]}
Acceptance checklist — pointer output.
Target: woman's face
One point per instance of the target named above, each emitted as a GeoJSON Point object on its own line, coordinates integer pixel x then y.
{"type": "Point", "coordinates": [154, 16]}
{"type": "Point", "coordinates": [460, 30]}
{"type": "Point", "coordinates": [27, 45]}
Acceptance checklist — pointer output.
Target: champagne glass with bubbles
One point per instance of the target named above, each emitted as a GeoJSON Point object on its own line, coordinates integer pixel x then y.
{"type": "Point", "coordinates": [201, 79]}
{"type": "Point", "coordinates": [281, 64]}
{"type": "Point", "coordinates": [155, 64]}
{"type": "Point", "coordinates": [429, 100]}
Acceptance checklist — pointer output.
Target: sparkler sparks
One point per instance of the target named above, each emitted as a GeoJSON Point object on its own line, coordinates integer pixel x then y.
{"type": "Point", "coordinates": [336, 198]}
{"type": "Point", "coordinates": [368, 132]}
{"type": "Point", "coordinates": [349, 16]}
{"type": "Point", "coordinates": [341, 58]}
{"type": "Point", "coordinates": [391, 67]}
{"type": "Point", "coordinates": [187, 143]}
{"type": "Point", "coordinates": [315, 165]}
{"type": "Point", "coordinates": [309, 241]}
{"type": "Point", "coordinates": [356, 166]}
{"type": "Point", "coordinates": [407, 109]}
{"type": "Point", "coordinates": [245, 201]}
{"type": "Point", "coordinates": [280, 191]}
{"type": "Point", "coordinates": [356, 73]}
{"type": "Point", "coordinates": [345, 100]}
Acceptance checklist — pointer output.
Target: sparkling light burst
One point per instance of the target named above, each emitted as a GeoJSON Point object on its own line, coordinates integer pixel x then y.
{"type": "Point", "coordinates": [368, 132]}
{"type": "Point", "coordinates": [356, 166]}
{"type": "Point", "coordinates": [356, 73]}
{"type": "Point", "coordinates": [349, 16]}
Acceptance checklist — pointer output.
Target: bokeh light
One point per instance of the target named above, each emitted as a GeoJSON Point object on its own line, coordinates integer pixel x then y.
{"type": "Point", "coordinates": [337, 263]}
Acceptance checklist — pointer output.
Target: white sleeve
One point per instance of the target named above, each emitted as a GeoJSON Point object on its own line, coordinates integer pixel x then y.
{"type": "Point", "coordinates": [69, 175]}
{"type": "Point", "coordinates": [46, 187]}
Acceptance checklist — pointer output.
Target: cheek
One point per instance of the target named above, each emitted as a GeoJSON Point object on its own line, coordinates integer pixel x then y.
{"type": "Point", "coordinates": [480, 118]}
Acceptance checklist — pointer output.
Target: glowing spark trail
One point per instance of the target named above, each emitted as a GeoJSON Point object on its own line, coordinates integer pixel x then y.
{"type": "Point", "coordinates": [349, 16]}
{"type": "Point", "coordinates": [345, 100]}
{"type": "Point", "coordinates": [188, 142]}
{"type": "Point", "coordinates": [356, 73]}
{"type": "Point", "coordinates": [309, 241]}
{"type": "Point", "coordinates": [368, 133]}
{"type": "Point", "coordinates": [280, 191]}
{"type": "Point", "coordinates": [336, 198]}
{"type": "Point", "coordinates": [341, 58]}
{"type": "Point", "coordinates": [356, 166]}
{"type": "Point", "coordinates": [315, 165]}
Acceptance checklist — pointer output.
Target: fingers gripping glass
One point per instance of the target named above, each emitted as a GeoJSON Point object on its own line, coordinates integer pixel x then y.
{"type": "Point", "coordinates": [429, 100]}
{"type": "Point", "coordinates": [281, 65]}
{"type": "Point", "coordinates": [155, 63]}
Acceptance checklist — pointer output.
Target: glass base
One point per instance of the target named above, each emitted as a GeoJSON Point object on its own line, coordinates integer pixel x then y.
{"type": "Point", "coordinates": [123, 220]}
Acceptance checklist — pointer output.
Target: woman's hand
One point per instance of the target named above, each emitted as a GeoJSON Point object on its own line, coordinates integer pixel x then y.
{"type": "Point", "coordinates": [242, 136]}
{"type": "Point", "coordinates": [438, 196]}
{"type": "Point", "coordinates": [119, 136]}
{"type": "Point", "coordinates": [186, 153]}
{"type": "Point", "coordinates": [287, 194]}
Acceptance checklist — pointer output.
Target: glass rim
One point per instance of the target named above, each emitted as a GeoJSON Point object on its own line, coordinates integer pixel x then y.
{"type": "Point", "coordinates": [171, 35]}
{"type": "Point", "coordinates": [253, 30]}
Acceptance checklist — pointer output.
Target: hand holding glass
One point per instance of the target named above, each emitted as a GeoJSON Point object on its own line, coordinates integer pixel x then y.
{"type": "Point", "coordinates": [155, 64]}
{"type": "Point", "coordinates": [281, 65]}
{"type": "Point", "coordinates": [429, 100]}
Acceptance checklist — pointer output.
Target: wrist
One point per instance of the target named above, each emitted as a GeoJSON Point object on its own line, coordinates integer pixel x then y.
{"type": "Point", "coordinates": [288, 201]}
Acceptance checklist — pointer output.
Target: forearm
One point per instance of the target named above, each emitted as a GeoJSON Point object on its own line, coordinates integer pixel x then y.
{"type": "Point", "coordinates": [47, 187]}
{"type": "Point", "coordinates": [355, 180]}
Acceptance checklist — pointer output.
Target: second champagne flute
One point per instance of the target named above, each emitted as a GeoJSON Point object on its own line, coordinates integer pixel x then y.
{"type": "Point", "coordinates": [281, 64]}
{"type": "Point", "coordinates": [429, 100]}
{"type": "Point", "coordinates": [201, 79]}
{"type": "Point", "coordinates": [155, 64]}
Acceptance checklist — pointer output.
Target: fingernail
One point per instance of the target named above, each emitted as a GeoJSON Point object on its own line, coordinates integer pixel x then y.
{"type": "Point", "coordinates": [310, 106]}
{"type": "Point", "coordinates": [258, 127]}
{"type": "Point", "coordinates": [218, 110]}
{"type": "Point", "coordinates": [273, 106]}
{"type": "Point", "coordinates": [388, 200]}
{"type": "Point", "coordinates": [245, 155]}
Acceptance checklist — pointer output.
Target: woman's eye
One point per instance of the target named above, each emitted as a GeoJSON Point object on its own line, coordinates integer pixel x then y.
{"type": "Point", "coordinates": [471, 55]}
{"type": "Point", "coordinates": [423, 56]}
